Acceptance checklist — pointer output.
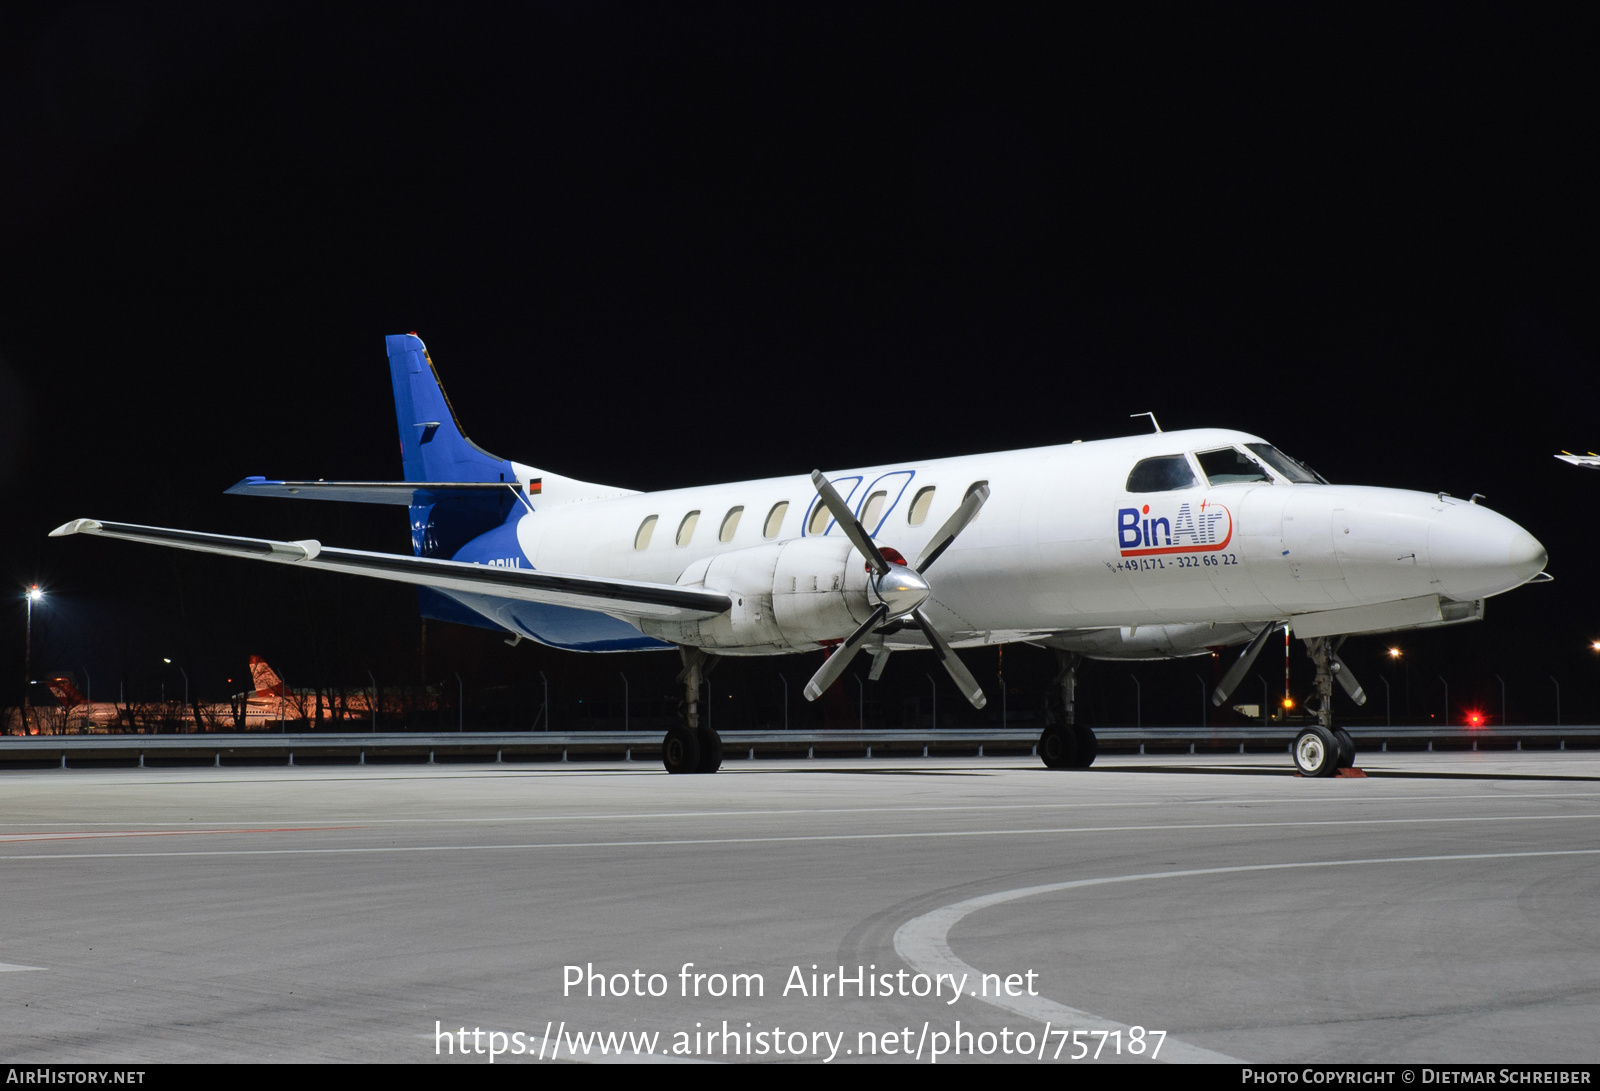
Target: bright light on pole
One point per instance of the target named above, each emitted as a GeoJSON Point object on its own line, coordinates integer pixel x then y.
{"type": "Point", "coordinates": [34, 595]}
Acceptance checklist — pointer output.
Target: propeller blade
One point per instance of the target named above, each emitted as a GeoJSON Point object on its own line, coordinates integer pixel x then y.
{"type": "Point", "coordinates": [880, 659]}
{"type": "Point", "coordinates": [840, 659]}
{"type": "Point", "coordinates": [966, 513]}
{"type": "Point", "coordinates": [958, 670]}
{"type": "Point", "coordinates": [1242, 665]}
{"type": "Point", "coordinates": [849, 524]}
{"type": "Point", "coordinates": [1347, 679]}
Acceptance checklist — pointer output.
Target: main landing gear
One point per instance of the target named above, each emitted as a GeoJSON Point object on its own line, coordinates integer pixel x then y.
{"type": "Point", "coordinates": [1321, 750]}
{"type": "Point", "coordinates": [1065, 743]}
{"type": "Point", "coordinates": [690, 746]}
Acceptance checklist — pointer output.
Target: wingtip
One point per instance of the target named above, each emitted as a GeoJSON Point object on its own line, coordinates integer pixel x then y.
{"type": "Point", "coordinates": [76, 526]}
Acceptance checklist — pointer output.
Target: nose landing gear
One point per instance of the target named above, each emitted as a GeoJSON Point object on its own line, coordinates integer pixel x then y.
{"type": "Point", "coordinates": [1321, 750]}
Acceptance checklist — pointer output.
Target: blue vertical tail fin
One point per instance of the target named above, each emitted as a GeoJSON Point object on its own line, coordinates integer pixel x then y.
{"type": "Point", "coordinates": [434, 449]}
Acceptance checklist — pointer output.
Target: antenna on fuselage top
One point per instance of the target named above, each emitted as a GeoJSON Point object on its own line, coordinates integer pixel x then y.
{"type": "Point", "coordinates": [1152, 417]}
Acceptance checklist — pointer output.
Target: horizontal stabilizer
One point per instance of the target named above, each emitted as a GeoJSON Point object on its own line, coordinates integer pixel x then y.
{"type": "Point", "coordinates": [622, 598]}
{"type": "Point", "coordinates": [400, 493]}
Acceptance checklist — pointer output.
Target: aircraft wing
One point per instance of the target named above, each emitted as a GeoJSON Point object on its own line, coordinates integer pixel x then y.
{"type": "Point", "coordinates": [400, 493]}
{"type": "Point", "coordinates": [1591, 461]}
{"type": "Point", "coordinates": [623, 598]}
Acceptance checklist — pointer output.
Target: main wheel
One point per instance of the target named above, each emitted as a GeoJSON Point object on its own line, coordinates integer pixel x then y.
{"type": "Point", "coordinates": [1316, 752]}
{"type": "Point", "coordinates": [710, 751]}
{"type": "Point", "coordinates": [1088, 747]}
{"type": "Point", "coordinates": [1347, 748]}
{"type": "Point", "coordinates": [680, 750]}
{"type": "Point", "coordinates": [1058, 747]}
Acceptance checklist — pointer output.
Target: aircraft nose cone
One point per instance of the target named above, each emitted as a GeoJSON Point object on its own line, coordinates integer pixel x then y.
{"type": "Point", "coordinates": [1475, 552]}
{"type": "Point", "coordinates": [1526, 555]}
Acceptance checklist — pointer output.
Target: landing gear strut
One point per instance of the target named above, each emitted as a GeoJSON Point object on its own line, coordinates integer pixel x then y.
{"type": "Point", "coordinates": [1064, 743]}
{"type": "Point", "coordinates": [1322, 749]}
{"type": "Point", "coordinates": [690, 746]}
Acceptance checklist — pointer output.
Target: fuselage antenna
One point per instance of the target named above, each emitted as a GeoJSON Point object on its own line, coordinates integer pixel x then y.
{"type": "Point", "coordinates": [1152, 417]}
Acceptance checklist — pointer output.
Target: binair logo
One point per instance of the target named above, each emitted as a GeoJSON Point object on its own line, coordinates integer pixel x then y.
{"type": "Point", "coordinates": [1203, 530]}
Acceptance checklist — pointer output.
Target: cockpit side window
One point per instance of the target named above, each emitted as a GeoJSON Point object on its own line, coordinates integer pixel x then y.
{"type": "Point", "coordinates": [1161, 474]}
{"type": "Point", "coordinates": [1231, 466]}
{"type": "Point", "coordinates": [1291, 468]}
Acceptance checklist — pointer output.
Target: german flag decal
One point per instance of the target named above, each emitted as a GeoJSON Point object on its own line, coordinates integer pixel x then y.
{"type": "Point", "coordinates": [536, 486]}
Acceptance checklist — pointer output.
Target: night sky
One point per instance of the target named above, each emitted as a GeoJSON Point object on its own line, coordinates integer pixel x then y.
{"type": "Point", "coordinates": [659, 245]}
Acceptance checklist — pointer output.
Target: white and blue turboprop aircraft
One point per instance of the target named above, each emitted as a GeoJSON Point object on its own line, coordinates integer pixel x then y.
{"type": "Point", "coordinates": [1147, 547]}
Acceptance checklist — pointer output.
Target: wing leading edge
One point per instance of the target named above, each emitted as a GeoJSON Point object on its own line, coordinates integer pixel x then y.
{"type": "Point", "coordinates": [622, 598]}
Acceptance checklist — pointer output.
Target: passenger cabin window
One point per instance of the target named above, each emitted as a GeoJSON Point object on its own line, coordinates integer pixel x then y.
{"type": "Point", "coordinates": [1231, 466]}
{"type": "Point", "coordinates": [646, 528]}
{"type": "Point", "coordinates": [730, 523]}
{"type": "Point", "coordinates": [819, 518]}
{"type": "Point", "coordinates": [1163, 474]}
{"type": "Point", "coordinates": [686, 528]}
{"type": "Point", "coordinates": [775, 519]}
{"type": "Point", "coordinates": [873, 510]}
{"type": "Point", "coordinates": [1291, 468]}
{"type": "Point", "coordinates": [917, 514]}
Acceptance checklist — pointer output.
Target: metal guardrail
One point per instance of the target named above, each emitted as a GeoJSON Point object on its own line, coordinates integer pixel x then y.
{"type": "Point", "coordinates": [260, 748]}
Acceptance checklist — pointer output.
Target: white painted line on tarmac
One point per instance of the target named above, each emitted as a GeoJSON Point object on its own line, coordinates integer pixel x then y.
{"type": "Point", "coordinates": [7, 967]}
{"type": "Point", "coordinates": [790, 839]}
{"type": "Point", "coordinates": [924, 942]}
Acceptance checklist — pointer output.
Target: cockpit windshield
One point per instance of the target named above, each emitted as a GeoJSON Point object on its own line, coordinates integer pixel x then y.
{"type": "Point", "coordinates": [1291, 468]}
{"type": "Point", "coordinates": [1162, 474]}
{"type": "Point", "coordinates": [1231, 466]}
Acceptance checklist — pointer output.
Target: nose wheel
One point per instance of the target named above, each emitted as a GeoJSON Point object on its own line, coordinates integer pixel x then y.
{"type": "Point", "coordinates": [1317, 752]}
{"type": "Point", "coordinates": [1347, 748]}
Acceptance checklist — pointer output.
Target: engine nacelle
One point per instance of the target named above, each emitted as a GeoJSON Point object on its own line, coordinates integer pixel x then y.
{"type": "Point", "coordinates": [788, 596]}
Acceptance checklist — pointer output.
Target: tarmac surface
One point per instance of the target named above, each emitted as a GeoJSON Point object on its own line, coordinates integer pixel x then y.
{"type": "Point", "coordinates": [1442, 909]}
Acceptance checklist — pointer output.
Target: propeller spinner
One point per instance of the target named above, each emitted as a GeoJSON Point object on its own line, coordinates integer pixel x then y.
{"type": "Point", "coordinates": [900, 591]}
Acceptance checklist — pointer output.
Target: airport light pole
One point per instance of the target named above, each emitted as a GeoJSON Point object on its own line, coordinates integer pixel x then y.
{"type": "Point", "coordinates": [34, 595]}
{"type": "Point", "coordinates": [185, 674]}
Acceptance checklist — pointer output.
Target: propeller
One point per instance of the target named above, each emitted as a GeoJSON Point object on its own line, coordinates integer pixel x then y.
{"type": "Point", "coordinates": [900, 591]}
{"type": "Point", "coordinates": [1347, 679]}
{"type": "Point", "coordinates": [1241, 666]}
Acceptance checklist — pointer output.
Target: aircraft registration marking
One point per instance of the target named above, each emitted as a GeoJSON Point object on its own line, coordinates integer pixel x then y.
{"type": "Point", "coordinates": [1160, 564]}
